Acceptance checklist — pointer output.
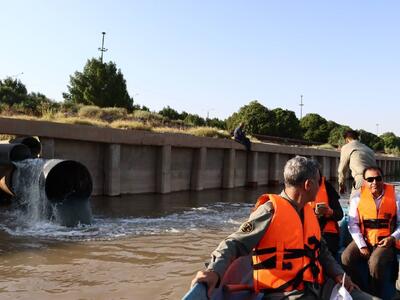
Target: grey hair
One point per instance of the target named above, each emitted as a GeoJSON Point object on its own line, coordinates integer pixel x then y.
{"type": "Point", "coordinates": [298, 169]}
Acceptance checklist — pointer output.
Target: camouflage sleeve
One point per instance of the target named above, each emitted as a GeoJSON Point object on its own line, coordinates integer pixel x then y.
{"type": "Point", "coordinates": [241, 242]}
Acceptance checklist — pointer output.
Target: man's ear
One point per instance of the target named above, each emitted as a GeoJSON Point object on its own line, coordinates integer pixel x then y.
{"type": "Point", "coordinates": [307, 184]}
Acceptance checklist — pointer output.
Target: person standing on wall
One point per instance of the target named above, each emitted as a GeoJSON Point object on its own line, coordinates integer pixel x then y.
{"type": "Point", "coordinates": [356, 156]}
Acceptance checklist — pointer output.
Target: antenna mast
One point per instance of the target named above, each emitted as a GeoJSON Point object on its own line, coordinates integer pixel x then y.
{"type": "Point", "coordinates": [301, 106]}
{"type": "Point", "coordinates": [102, 49]}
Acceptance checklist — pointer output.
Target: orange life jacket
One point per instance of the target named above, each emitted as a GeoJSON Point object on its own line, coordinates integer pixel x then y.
{"type": "Point", "coordinates": [288, 253]}
{"type": "Point", "coordinates": [331, 226]}
{"type": "Point", "coordinates": [377, 223]}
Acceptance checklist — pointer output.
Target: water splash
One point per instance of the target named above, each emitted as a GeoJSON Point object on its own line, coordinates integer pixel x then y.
{"type": "Point", "coordinates": [29, 194]}
{"type": "Point", "coordinates": [215, 216]}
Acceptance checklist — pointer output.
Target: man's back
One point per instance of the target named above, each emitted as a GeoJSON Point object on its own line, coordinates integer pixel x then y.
{"type": "Point", "coordinates": [238, 134]}
{"type": "Point", "coordinates": [357, 156]}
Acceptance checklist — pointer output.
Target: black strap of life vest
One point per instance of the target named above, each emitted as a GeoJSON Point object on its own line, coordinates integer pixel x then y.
{"type": "Point", "coordinates": [264, 251]}
{"type": "Point", "coordinates": [376, 223]}
{"type": "Point", "coordinates": [309, 252]}
{"type": "Point", "coordinates": [294, 282]}
{"type": "Point", "coordinates": [270, 263]}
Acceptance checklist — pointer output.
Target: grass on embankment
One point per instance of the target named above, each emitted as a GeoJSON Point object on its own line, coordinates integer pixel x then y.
{"type": "Point", "coordinates": [114, 117]}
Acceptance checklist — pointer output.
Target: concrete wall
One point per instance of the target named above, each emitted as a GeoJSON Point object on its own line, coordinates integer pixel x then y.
{"type": "Point", "coordinates": [129, 161]}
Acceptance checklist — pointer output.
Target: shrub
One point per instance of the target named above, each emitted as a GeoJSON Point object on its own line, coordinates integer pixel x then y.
{"type": "Point", "coordinates": [122, 124]}
{"type": "Point", "coordinates": [208, 132]}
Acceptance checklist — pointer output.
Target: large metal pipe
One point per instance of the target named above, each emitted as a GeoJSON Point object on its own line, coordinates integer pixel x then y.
{"type": "Point", "coordinates": [56, 189]}
{"type": "Point", "coordinates": [65, 179]}
{"type": "Point", "coordinates": [13, 152]}
{"type": "Point", "coordinates": [68, 186]}
{"type": "Point", "coordinates": [32, 143]}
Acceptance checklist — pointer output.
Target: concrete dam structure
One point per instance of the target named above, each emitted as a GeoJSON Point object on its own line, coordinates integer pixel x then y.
{"type": "Point", "coordinates": [133, 161]}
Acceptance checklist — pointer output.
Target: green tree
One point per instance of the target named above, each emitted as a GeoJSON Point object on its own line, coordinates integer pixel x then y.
{"type": "Point", "coordinates": [14, 94]}
{"type": "Point", "coordinates": [315, 128]}
{"type": "Point", "coordinates": [336, 135]}
{"type": "Point", "coordinates": [12, 91]}
{"type": "Point", "coordinates": [183, 115]}
{"type": "Point", "coordinates": [390, 140]}
{"type": "Point", "coordinates": [170, 113]}
{"type": "Point", "coordinates": [195, 120]}
{"type": "Point", "coordinates": [256, 117]}
{"type": "Point", "coordinates": [285, 123]}
{"type": "Point", "coordinates": [371, 140]}
{"type": "Point", "coordinates": [215, 122]}
{"type": "Point", "coordinates": [99, 84]}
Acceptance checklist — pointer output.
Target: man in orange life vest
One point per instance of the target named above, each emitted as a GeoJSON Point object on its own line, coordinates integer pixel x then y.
{"type": "Point", "coordinates": [329, 212]}
{"type": "Point", "coordinates": [374, 226]}
{"type": "Point", "coordinates": [284, 238]}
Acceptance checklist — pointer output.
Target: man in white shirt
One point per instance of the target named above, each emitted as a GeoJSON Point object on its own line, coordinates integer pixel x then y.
{"type": "Point", "coordinates": [374, 225]}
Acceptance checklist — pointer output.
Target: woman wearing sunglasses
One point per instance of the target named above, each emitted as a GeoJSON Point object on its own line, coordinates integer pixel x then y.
{"type": "Point", "coordinates": [374, 225]}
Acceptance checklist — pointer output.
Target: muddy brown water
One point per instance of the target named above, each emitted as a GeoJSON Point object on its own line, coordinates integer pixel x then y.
{"type": "Point", "coordinates": [139, 247]}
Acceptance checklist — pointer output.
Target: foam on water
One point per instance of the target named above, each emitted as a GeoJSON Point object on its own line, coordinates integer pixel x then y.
{"type": "Point", "coordinates": [228, 215]}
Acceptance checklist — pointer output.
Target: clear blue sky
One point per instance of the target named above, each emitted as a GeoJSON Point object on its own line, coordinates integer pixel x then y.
{"type": "Point", "coordinates": [216, 56]}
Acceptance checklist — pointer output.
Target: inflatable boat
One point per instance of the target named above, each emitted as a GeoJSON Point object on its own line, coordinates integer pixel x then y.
{"type": "Point", "coordinates": [237, 283]}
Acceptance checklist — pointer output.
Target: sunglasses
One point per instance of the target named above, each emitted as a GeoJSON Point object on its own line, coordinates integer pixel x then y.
{"type": "Point", "coordinates": [376, 178]}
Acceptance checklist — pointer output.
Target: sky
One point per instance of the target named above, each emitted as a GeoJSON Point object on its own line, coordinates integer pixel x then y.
{"type": "Point", "coordinates": [211, 57]}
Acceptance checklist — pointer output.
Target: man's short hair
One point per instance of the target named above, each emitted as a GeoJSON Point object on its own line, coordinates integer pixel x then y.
{"type": "Point", "coordinates": [298, 169]}
{"type": "Point", "coordinates": [375, 168]}
{"type": "Point", "coordinates": [351, 134]}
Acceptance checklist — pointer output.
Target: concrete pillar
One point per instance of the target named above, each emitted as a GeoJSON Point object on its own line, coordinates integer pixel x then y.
{"type": "Point", "coordinates": [252, 169]}
{"type": "Point", "coordinates": [112, 170]}
{"type": "Point", "coordinates": [390, 171]}
{"type": "Point", "coordinates": [48, 148]}
{"type": "Point", "coordinates": [164, 170]}
{"type": "Point", "coordinates": [228, 173]}
{"type": "Point", "coordinates": [326, 167]}
{"type": "Point", "coordinates": [275, 169]}
{"type": "Point", "coordinates": [198, 168]}
{"type": "Point", "coordinates": [384, 167]}
{"type": "Point", "coordinates": [393, 163]}
{"type": "Point", "coordinates": [334, 162]}
{"type": "Point", "coordinates": [396, 167]}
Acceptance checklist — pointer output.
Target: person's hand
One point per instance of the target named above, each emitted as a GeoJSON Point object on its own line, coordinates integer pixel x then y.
{"type": "Point", "coordinates": [322, 210]}
{"type": "Point", "coordinates": [365, 252]}
{"type": "Point", "coordinates": [387, 242]}
{"type": "Point", "coordinates": [348, 284]}
{"type": "Point", "coordinates": [209, 277]}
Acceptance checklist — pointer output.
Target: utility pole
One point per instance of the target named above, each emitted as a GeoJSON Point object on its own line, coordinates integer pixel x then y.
{"type": "Point", "coordinates": [301, 106]}
{"type": "Point", "coordinates": [377, 129]}
{"type": "Point", "coordinates": [102, 49]}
